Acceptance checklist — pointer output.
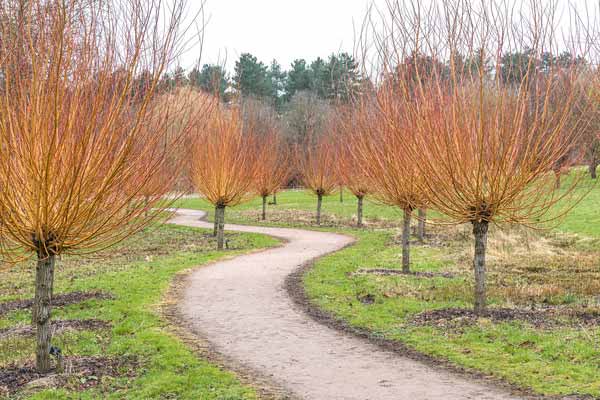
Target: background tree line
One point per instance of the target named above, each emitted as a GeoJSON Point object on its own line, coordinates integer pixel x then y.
{"type": "Point", "coordinates": [334, 79]}
{"type": "Point", "coordinates": [301, 97]}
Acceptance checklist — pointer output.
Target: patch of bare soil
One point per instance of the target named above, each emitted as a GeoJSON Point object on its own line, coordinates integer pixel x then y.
{"type": "Point", "coordinates": [58, 326]}
{"type": "Point", "coordinates": [366, 298]}
{"type": "Point", "coordinates": [390, 272]}
{"type": "Point", "coordinates": [545, 318]}
{"type": "Point", "coordinates": [80, 373]}
{"type": "Point", "coordinates": [59, 300]}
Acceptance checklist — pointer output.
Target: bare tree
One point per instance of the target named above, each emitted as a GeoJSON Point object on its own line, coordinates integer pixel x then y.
{"type": "Point", "coordinates": [348, 132]}
{"type": "Point", "coordinates": [273, 161]}
{"type": "Point", "coordinates": [224, 163]}
{"type": "Point", "coordinates": [317, 162]}
{"type": "Point", "coordinates": [484, 145]}
{"type": "Point", "coordinates": [381, 142]}
{"type": "Point", "coordinates": [305, 115]}
{"type": "Point", "coordinates": [81, 147]}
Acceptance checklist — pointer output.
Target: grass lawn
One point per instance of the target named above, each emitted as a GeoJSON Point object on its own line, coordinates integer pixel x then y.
{"type": "Point", "coordinates": [552, 357]}
{"type": "Point", "coordinates": [298, 207]}
{"type": "Point", "coordinates": [584, 219]}
{"type": "Point", "coordinates": [136, 273]}
{"type": "Point", "coordinates": [552, 279]}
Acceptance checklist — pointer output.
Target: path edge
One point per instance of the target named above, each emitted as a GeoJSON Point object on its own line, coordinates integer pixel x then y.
{"type": "Point", "coordinates": [180, 327]}
{"type": "Point", "coordinates": [294, 286]}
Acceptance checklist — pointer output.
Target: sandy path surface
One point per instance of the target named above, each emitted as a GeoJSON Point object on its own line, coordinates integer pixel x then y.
{"type": "Point", "coordinates": [241, 306]}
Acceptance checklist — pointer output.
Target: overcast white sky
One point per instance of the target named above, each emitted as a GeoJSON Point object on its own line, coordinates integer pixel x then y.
{"type": "Point", "coordinates": [281, 29]}
{"type": "Point", "coordinates": [291, 29]}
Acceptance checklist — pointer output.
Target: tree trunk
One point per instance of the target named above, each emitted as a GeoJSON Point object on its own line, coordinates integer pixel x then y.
{"type": "Point", "coordinates": [264, 208]}
{"type": "Point", "coordinates": [275, 198]}
{"type": "Point", "coordinates": [480, 229]}
{"type": "Point", "coordinates": [593, 166]}
{"type": "Point", "coordinates": [220, 227]}
{"type": "Point", "coordinates": [341, 195]}
{"type": "Point", "coordinates": [44, 281]}
{"type": "Point", "coordinates": [359, 211]}
{"type": "Point", "coordinates": [406, 241]}
{"type": "Point", "coordinates": [557, 180]}
{"type": "Point", "coordinates": [216, 222]}
{"type": "Point", "coordinates": [421, 224]}
{"type": "Point", "coordinates": [319, 204]}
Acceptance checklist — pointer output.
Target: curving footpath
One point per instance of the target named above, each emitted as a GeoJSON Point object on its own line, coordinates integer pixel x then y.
{"type": "Point", "coordinates": [241, 306]}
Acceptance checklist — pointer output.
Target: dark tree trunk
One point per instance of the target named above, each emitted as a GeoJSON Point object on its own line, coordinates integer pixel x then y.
{"type": "Point", "coordinates": [421, 224]}
{"type": "Point", "coordinates": [216, 222]}
{"type": "Point", "coordinates": [319, 204]}
{"type": "Point", "coordinates": [341, 195]}
{"type": "Point", "coordinates": [359, 211]}
{"type": "Point", "coordinates": [406, 241]}
{"type": "Point", "coordinates": [220, 227]}
{"type": "Point", "coordinates": [264, 208]}
{"type": "Point", "coordinates": [44, 281]}
{"type": "Point", "coordinates": [480, 230]}
{"type": "Point", "coordinates": [275, 198]}
{"type": "Point", "coordinates": [593, 166]}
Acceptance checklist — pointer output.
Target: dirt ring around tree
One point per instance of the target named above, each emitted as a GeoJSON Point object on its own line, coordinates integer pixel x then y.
{"type": "Point", "coordinates": [79, 373]}
{"type": "Point", "coordinates": [57, 327]}
{"type": "Point", "coordinates": [58, 300]}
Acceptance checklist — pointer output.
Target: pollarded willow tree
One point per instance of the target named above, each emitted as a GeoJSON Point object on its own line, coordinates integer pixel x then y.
{"type": "Point", "coordinates": [380, 145]}
{"type": "Point", "coordinates": [272, 166]}
{"type": "Point", "coordinates": [272, 150]}
{"type": "Point", "coordinates": [171, 115]}
{"type": "Point", "coordinates": [487, 145]}
{"type": "Point", "coordinates": [75, 134]}
{"type": "Point", "coordinates": [350, 174]}
{"type": "Point", "coordinates": [224, 163]}
{"type": "Point", "coordinates": [317, 164]}
{"type": "Point", "coordinates": [190, 109]}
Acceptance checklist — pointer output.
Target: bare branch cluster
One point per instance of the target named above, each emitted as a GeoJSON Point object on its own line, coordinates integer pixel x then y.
{"type": "Point", "coordinates": [478, 108]}
{"type": "Point", "coordinates": [224, 165]}
{"type": "Point", "coordinates": [86, 157]}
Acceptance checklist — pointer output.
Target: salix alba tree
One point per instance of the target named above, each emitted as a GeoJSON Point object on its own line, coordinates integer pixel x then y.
{"type": "Point", "coordinates": [224, 163]}
{"type": "Point", "coordinates": [317, 164]}
{"type": "Point", "coordinates": [486, 145]}
{"type": "Point", "coordinates": [350, 174]}
{"type": "Point", "coordinates": [272, 166]}
{"type": "Point", "coordinates": [74, 133]}
{"type": "Point", "coordinates": [380, 145]}
{"type": "Point", "coordinates": [414, 70]}
{"type": "Point", "coordinates": [190, 109]}
{"type": "Point", "coordinates": [272, 150]}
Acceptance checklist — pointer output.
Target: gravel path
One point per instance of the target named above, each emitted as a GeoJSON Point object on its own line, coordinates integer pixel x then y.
{"type": "Point", "coordinates": [241, 306]}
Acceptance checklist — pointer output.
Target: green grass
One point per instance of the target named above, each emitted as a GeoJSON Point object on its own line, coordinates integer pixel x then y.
{"type": "Point", "coordinates": [550, 361]}
{"type": "Point", "coordinates": [299, 200]}
{"type": "Point", "coordinates": [583, 219]}
{"type": "Point", "coordinates": [524, 268]}
{"type": "Point", "coordinates": [137, 273]}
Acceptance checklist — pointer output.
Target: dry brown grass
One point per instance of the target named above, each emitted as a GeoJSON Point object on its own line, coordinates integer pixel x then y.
{"type": "Point", "coordinates": [307, 218]}
{"type": "Point", "coordinates": [524, 267]}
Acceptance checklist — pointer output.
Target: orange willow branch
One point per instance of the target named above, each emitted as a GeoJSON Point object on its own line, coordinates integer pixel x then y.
{"type": "Point", "coordinates": [80, 145]}
{"type": "Point", "coordinates": [224, 164]}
